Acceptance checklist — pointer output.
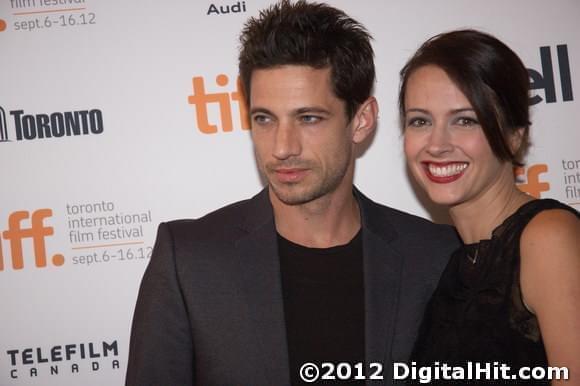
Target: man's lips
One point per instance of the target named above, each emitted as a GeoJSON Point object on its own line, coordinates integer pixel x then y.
{"type": "Point", "coordinates": [444, 172]}
{"type": "Point", "coordinates": [290, 174]}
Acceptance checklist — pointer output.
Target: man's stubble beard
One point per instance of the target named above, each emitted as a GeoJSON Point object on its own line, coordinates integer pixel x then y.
{"type": "Point", "coordinates": [300, 193]}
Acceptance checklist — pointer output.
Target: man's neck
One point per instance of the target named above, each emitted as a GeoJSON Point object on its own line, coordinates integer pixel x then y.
{"type": "Point", "coordinates": [331, 220]}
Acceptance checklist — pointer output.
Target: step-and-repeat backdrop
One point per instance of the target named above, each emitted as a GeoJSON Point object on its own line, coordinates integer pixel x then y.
{"type": "Point", "coordinates": [117, 115]}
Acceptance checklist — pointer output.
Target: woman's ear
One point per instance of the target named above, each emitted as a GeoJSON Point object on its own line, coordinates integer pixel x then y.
{"type": "Point", "coordinates": [516, 139]}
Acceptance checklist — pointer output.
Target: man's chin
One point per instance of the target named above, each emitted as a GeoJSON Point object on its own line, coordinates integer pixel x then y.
{"type": "Point", "coordinates": [293, 195]}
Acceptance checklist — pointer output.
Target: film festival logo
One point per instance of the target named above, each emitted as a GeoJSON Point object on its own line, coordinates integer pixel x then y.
{"type": "Point", "coordinates": [27, 127]}
{"type": "Point", "coordinates": [226, 102]}
{"type": "Point", "coordinates": [37, 231]}
{"type": "Point", "coordinates": [571, 176]}
{"type": "Point", "coordinates": [528, 179]}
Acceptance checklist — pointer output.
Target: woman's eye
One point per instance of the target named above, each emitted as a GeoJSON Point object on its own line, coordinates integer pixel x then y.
{"type": "Point", "coordinates": [417, 122]}
{"type": "Point", "coordinates": [467, 121]}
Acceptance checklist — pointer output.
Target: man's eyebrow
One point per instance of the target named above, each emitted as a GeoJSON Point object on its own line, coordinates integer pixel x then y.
{"type": "Point", "coordinates": [313, 109]}
{"type": "Point", "coordinates": [298, 111]}
{"type": "Point", "coordinates": [262, 110]}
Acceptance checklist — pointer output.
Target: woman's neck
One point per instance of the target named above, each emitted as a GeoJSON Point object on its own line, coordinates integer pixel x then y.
{"type": "Point", "coordinates": [476, 218]}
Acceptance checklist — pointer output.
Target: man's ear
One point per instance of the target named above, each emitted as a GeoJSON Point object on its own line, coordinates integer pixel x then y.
{"type": "Point", "coordinates": [364, 121]}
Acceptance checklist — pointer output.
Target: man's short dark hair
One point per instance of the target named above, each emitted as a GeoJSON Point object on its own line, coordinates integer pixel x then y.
{"type": "Point", "coordinates": [314, 35]}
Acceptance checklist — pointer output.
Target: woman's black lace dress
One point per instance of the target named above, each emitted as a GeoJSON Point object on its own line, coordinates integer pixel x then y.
{"type": "Point", "coordinates": [477, 313]}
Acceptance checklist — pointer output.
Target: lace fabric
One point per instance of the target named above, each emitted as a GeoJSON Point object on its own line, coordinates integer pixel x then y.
{"type": "Point", "coordinates": [477, 312]}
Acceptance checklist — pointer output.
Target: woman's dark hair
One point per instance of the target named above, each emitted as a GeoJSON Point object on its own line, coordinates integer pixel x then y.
{"type": "Point", "coordinates": [490, 75]}
{"type": "Point", "coordinates": [315, 35]}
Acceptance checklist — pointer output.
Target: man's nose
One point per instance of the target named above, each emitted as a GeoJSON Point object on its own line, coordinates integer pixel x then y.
{"type": "Point", "coordinates": [287, 141]}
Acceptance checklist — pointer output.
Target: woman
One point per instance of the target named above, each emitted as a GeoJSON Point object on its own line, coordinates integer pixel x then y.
{"type": "Point", "coordinates": [511, 294]}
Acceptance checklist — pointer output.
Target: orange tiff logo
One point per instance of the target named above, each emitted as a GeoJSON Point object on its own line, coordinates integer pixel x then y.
{"type": "Point", "coordinates": [37, 231]}
{"type": "Point", "coordinates": [201, 99]}
{"type": "Point", "coordinates": [531, 184]}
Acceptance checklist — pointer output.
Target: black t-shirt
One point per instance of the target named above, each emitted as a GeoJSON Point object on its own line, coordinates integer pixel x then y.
{"type": "Point", "coordinates": [323, 291]}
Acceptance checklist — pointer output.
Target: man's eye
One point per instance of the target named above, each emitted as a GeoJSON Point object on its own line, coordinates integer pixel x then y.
{"type": "Point", "coordinates": [310, 118]}
{"type": "Point", "coordinates": [261, 119]}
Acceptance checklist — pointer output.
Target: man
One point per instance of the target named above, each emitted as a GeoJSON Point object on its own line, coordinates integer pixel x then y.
{"type": "Point", "coordinates": [308, 270]}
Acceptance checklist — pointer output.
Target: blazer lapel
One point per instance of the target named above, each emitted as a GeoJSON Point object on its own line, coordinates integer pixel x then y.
{"type": "Point", "coordinates": [382, 269]}
{"type": "Point", "coordinates": [260, 271]}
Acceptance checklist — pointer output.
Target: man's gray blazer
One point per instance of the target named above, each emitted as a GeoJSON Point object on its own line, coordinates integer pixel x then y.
{"type": "Point", "coordinates": [210, 308]}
